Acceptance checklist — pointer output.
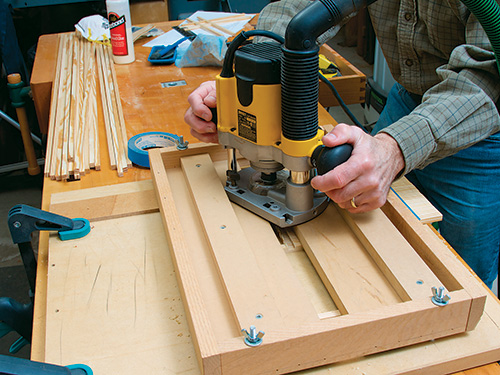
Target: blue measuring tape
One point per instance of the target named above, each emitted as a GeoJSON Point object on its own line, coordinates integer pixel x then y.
{"type": "Point", "coordinates": [140, 143]}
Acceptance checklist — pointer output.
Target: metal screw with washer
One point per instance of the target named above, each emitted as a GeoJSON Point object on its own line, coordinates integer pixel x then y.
{"type": "Point", "coordinates": [253, 338]}
{"type": "Point", "coordinates": [439, 298]}
{"type": "Point", "coordinates": [181, 144]}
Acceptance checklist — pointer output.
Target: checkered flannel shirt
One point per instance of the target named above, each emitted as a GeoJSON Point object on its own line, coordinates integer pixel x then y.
{"type": "Point", "coordinates": [439, 50]}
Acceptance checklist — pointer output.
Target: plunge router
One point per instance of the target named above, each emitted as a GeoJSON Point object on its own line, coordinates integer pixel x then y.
{"type": "Point", "coordinates": [267, 109]}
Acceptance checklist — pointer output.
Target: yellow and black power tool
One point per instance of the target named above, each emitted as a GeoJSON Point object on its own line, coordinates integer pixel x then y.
{"type": "Point", "coordinates": [267, 109]}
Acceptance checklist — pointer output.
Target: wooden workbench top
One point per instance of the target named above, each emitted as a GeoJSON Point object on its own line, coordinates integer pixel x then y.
{"type": "Point", "coordinates": [147, 107]}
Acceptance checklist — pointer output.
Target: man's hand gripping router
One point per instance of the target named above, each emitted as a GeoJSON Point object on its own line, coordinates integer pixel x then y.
{"type": "Point", "coordinates": [360, 184]}
{"type": "Point", "coordinates": [199, 116]}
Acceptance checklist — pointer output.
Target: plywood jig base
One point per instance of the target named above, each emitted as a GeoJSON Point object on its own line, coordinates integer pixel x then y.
{"type": "Point", "coordinates": [114, 302]}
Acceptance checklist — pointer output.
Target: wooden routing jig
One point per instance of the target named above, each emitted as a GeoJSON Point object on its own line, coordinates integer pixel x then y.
{"type": "Point", "coordinates": [373, 276]}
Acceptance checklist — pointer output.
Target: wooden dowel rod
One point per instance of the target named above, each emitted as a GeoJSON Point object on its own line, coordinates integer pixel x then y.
{"type": "Point", "coordinates": [227, 19]}
{"type": "Point", "coordinates": [93, 116]}
{"type": "Point", "coordinates": [106, 109]}
{"type": "Point", "coordinates": [82, 135]}
{"type": "Point", "coordinates": [191, 25]}
{"type": "Point", "coordinates": [112, 141]}
{"type": "Point", "coordinates": [82, 123]}
{"type": "Point", "coordinates": [58, 106]}
{"type": "Point", "coordinates": [22, 118]}
{"type": "Point", "coordinates": [89, 126]}
{"type": "Point", "coordinates": [73, 139]}
{"type": "Point", "coordinates": [210, 30]}
{"type": "Point", "coordinates": [143, 30]}
{"type": "Point", "coordinates": [206, 28]}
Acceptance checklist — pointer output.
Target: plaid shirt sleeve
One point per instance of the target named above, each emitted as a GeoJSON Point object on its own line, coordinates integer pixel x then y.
{"type": "Point", "coordinates": [440, 50]}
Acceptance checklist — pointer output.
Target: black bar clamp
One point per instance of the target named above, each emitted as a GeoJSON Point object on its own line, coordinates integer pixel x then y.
{"type": "Point", "coordinates": [23, 220]}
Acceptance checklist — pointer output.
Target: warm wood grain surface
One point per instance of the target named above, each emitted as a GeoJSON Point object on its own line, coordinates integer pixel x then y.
{"type": "Point", "coordinates": [147, 107]}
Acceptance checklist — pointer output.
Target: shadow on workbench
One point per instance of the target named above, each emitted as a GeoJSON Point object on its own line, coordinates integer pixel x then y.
{"type": "Point", "coordinates": [15, 188]}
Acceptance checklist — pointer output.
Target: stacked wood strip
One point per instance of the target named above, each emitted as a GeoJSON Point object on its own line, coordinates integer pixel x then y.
{"type": "Point", "coordinates": [214, 26]}
{"type": "Point", "coordinates": [112, 111]}
{"type": "Point", "coordinates": [191, 24]}
{"type": "Point", "coordinates": [70, 120]}
{"type": "Point", "coordinates": [73, 147]}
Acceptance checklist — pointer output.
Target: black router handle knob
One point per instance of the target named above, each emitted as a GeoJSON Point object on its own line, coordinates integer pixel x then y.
{"type": "Point", "coordinates": [327, 158]}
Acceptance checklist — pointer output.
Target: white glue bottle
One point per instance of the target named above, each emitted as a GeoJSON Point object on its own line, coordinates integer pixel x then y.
{"type": "Point", "coordinates": [120, 29]}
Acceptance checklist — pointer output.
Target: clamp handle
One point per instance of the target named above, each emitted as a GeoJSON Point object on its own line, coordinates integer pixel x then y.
{"type": "Point", "coordinates": [23, 220]}
{"type": "Point", "coordinates": [18, 92]}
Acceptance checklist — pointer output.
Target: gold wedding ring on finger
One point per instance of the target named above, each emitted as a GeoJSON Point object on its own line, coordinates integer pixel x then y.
{"type": "Point", "coordinates": [353, 203]}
